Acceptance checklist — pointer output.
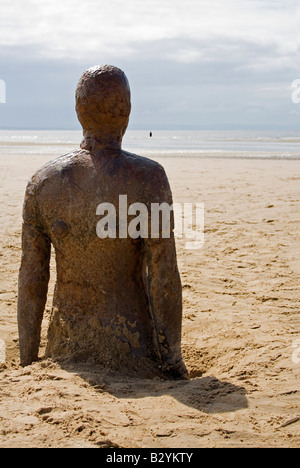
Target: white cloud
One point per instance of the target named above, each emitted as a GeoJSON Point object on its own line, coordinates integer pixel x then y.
{"type": "Point", "coordinates": [188, 61]}
{"type": "Point", "coordinates": [77, 29]}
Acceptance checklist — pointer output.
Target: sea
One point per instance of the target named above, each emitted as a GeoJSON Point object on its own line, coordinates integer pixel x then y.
{"type": "Point", "coordinates": [253, 144]}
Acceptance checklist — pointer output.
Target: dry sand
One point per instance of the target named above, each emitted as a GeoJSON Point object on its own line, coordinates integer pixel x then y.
{"type": "Point", "coordinates": [240, 327]}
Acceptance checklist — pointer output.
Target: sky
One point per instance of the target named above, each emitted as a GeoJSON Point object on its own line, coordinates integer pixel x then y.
{"type": "Point", "coordinates": [211, 64]}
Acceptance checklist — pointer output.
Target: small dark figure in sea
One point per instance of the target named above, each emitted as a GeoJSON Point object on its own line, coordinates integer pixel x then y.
{"type": "Point", "coordinates": [117, 301]}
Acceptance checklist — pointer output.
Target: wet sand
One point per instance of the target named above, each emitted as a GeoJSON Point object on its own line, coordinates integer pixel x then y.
{"type": "Point", "coordinates": [241, 326]}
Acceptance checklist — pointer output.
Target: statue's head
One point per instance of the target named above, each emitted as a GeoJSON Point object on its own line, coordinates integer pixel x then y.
{"type": "Point", "coordinates": [103, 102]}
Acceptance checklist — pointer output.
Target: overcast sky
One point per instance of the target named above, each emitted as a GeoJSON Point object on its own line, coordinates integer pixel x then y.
{"type": "Point", "coordinates": [190, 63]}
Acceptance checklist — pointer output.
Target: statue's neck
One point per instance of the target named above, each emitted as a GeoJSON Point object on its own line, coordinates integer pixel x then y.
{"type": "Point", "coordinates": [94, 143]}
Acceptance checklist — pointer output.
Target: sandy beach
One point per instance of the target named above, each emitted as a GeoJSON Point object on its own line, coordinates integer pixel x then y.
{"type": "Point", "coordinates": [241, 326]}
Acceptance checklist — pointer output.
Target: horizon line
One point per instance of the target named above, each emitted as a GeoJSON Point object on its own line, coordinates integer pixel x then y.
{"type": "Point", "coordinates": [168, 128]}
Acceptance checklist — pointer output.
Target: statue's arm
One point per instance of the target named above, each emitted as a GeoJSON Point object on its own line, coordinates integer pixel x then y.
{"type": "Point", "coordinates": [33, 281]}
{"type": "Point", "coordinates": [165, 292]}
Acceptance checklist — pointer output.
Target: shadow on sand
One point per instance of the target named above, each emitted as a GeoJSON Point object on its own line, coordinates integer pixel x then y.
{"type": "Point", "coordinates": [207, 394]}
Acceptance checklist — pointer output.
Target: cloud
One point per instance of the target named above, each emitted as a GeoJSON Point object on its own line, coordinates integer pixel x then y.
{"type": "Point", "coordinates": [191, 62]}
{"type": "Point", "coordinates": [76, 29]}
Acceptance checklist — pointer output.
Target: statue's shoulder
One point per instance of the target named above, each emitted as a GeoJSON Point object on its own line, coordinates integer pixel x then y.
{"type": "Point", "coordinates": [149, 177]}
{"type": "Point", "coordinates": [53, 170]}
{"type": "Point", "coordinates": [143, 164]}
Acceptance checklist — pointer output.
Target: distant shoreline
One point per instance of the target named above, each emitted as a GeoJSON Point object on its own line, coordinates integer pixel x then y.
{"type": "Point", "coordinates": [201, 144]}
